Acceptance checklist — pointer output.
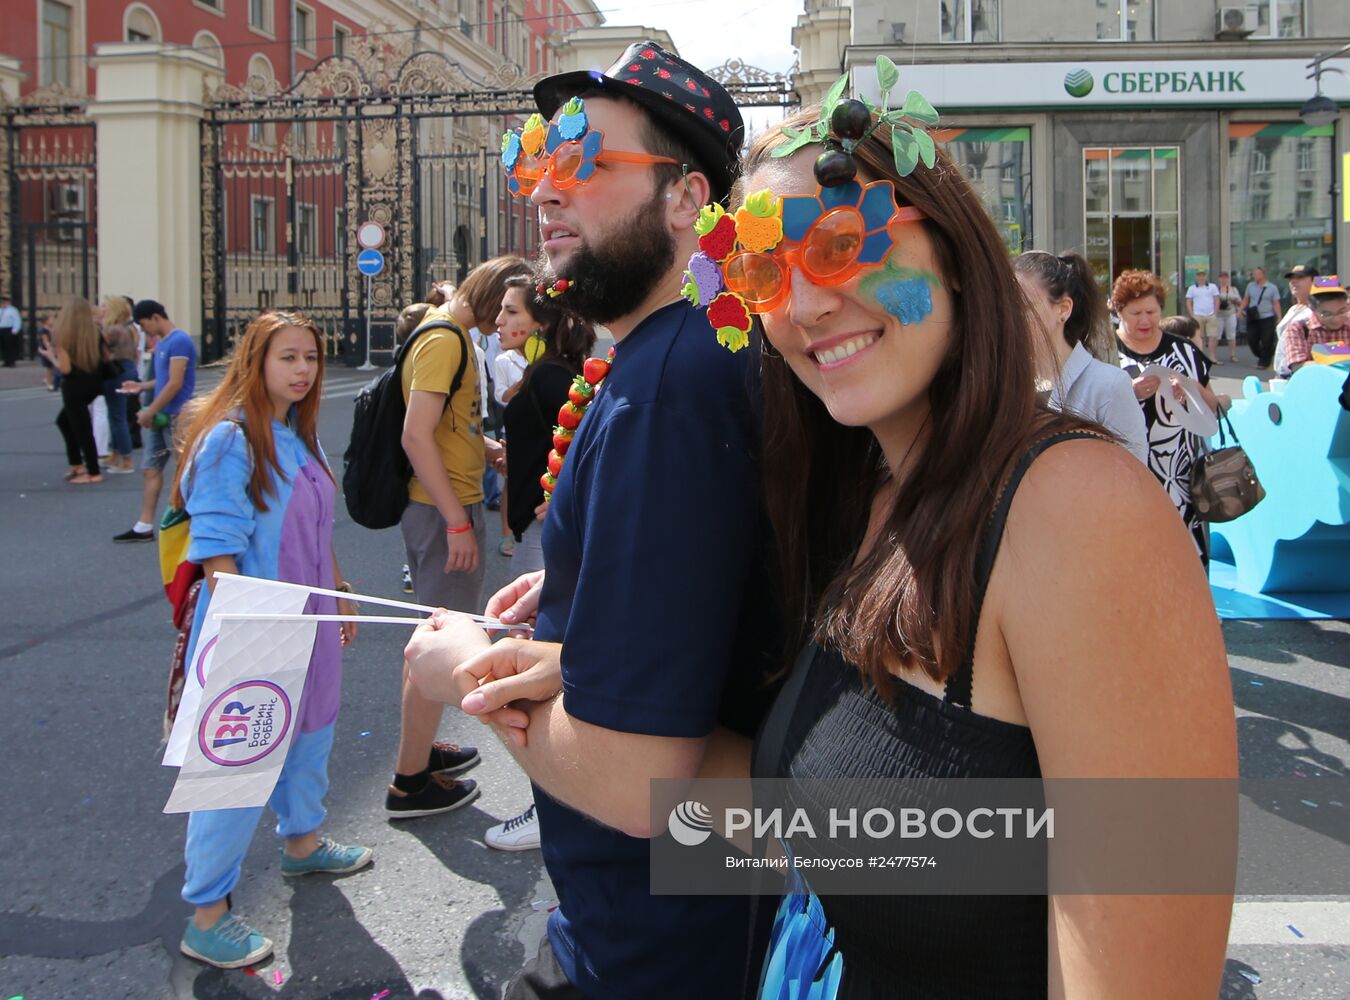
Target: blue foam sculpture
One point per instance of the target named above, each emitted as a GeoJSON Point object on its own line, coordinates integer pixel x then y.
{"type": "Point", "coordinates": [1298, 538]}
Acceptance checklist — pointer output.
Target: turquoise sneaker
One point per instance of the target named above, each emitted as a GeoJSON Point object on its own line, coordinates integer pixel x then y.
{"type": "Point", "coordinates": [335, 859]}
{"type": "Point", "coordinates": [229, 944]}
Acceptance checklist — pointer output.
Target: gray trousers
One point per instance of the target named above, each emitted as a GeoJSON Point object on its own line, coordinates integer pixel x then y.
{"type": "Point", "coordinates": [424, 539]}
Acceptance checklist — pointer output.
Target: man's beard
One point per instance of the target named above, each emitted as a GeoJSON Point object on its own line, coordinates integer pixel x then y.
{"type": "Point", "coordinates": [613, 279]}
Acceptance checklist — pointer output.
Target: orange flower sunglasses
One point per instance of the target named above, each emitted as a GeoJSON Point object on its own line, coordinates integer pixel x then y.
{"type": "Point", "coordinates": [828, 254]}
{"type": "Point", "coordinates": [573, 163]}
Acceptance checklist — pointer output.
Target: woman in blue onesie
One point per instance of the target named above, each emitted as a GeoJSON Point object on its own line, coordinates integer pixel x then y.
{"type": "Point", "coordinates": [261, 498]}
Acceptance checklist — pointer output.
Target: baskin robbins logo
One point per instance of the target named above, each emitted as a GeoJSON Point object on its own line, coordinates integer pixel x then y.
{"type": "Point", "coordinates": [203, 658]}
{"type": "Point", "coordinates": [690, 823]}
{"type": "Point", "coordinates": [1078, 83]}
{"type": "Point", "coordinates": [245, 723]}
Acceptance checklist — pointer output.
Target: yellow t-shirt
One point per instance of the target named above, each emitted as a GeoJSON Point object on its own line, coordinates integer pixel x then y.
{"type": "Point", "coordinates": [430, 368]}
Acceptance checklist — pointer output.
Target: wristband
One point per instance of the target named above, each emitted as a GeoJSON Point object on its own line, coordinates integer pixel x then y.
{"type": "Point", "coordinates": [460, 530]}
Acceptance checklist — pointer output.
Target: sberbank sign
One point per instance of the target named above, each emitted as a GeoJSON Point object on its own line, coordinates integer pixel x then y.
{"type": "Point", "coordinates": [1079, 83]}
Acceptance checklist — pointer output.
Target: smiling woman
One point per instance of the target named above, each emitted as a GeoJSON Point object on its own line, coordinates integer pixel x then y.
{"type": "Point", "coordinates": [902, 433]}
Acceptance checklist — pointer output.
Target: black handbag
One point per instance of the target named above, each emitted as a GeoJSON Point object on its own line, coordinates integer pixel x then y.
{"type": "Point", "coordinates": [1254, 319]}
{"type": "Point", "coordinates": [1223, 482]}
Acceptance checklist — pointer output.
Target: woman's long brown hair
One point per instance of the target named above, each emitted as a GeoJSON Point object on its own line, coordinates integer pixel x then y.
{"type": "Point", "coordinates": [77, 335]}
{"type": "Point", "coordinates": [910, 602]}
{"type": "Point", "coordinates": [245, 390]}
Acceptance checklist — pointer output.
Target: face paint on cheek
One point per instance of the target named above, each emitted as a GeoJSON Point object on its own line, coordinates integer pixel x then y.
{"type": "Point", "coordinates": [905, 293]}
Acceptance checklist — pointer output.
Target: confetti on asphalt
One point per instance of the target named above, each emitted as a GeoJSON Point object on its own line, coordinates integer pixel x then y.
{"type": "Point", "coordinates": [544, 904]}
{"type": "Point", "coordinates": [380, 995]}
{"type": "Point", "coordinates": [1299, 774]}
{"type": "Point", "coordinates": [1257, 684]}
{"type": "Point", "coordinates": [1297, 933]}
{"type": "Point", "coordinates": [248, 971]}
{"type": "Point", "coordinates": [1249, 975]}
{"type": "Point", "coordinates": [365, 734]}
{"type": "Point", "coordinates": [86, 800]}
{"type": "Point", "coordinates": [1308, 802]}
{"type": "Point", "coordinates": [276, 977]}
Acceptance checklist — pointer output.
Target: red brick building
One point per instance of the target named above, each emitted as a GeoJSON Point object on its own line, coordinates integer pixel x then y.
{"type": "Point", "coordinates": [53, 39]}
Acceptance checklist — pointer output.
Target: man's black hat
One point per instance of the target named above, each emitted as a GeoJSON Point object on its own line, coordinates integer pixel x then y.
{"type": "Point", "coordinates": [680, 96]}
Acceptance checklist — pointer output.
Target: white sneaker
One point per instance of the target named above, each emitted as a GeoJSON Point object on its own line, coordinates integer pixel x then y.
{"type": "Point", "coordinates": [519, 833]}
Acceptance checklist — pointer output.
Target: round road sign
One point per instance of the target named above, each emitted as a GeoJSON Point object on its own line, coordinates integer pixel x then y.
{"type": "Point", "coordinates": [370, 262]}
{"type": "Point", "coordinates": [370, 235]}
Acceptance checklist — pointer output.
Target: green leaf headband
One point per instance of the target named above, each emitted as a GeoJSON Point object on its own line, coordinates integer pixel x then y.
{"type": "Point", "coordinates": [846, 123]}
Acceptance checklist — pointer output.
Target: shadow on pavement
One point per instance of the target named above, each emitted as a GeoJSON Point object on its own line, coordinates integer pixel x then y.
{"type": "Point", "coordinates": [161, 919]}
{"type": "Point", "coordinates": [492, 952]}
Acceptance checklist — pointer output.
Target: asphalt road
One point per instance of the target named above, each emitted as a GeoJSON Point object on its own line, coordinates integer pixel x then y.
{"type": "Point", "coordinates": [92, 868]}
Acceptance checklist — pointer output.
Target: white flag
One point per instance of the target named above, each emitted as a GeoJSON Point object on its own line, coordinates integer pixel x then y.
{"type": "Point", "coordinates": [248, 714]}
{"type": "Point", "coordinates": [233, 595]}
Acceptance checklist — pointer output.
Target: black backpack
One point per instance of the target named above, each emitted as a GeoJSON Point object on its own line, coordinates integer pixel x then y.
{"type": "Point", "coordinates": [375, 469]}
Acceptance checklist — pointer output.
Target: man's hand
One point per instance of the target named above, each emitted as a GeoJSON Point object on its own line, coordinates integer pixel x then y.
{"type": "Point", "coordinates": [463, 548]}
{"type": "Point", "coordinates": [509, 671]}
{"type": "Point", "coordinates": [437, 646]}
{"type": "Point", "coordinates": [145, 418]}
{"type": "Point", "coordinates": [518, 602]}
{"type": "Point", "coordinates": [541, 511]}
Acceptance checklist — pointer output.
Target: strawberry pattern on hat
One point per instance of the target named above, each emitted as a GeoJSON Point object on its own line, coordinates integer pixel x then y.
{"type": "Point", "coordinates": [690, 103]}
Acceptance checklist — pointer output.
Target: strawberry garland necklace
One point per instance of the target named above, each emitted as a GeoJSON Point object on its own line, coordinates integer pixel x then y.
{"type": "Point", "coordinates": [579, 398]}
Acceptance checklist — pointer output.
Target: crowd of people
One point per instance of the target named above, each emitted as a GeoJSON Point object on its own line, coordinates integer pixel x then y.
{"type": "Point", "coordinates": [824, 482]}
{"type": "Point", "coordinates": [126, 365]}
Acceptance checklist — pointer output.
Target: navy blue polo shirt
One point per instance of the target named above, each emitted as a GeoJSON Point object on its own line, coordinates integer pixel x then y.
{"type": "Point", "coordinates": [656, 585]}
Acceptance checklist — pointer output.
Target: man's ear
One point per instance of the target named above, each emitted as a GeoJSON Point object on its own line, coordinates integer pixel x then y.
{"type": "Point", "coordinates": [685, 198]}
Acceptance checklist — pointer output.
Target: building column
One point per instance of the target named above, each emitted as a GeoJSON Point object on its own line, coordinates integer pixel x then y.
{"type": "Point", "coordinates": [11, 77]}
{"type": "Point", "coordinates": [147, 113]}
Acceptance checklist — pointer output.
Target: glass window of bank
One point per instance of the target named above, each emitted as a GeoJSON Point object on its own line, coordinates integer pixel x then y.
{"type": "Point", "coordinates": [968, 20]}
{"type": "Point", "coordinates": [997, 161]}
{"type": "Point", "coordinates": [1132, 213]}
{"type": "Point", "coordinates": [1280, 200]}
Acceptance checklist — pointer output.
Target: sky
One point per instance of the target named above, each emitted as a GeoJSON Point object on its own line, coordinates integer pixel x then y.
{"type": "Point", "coordinates": [709, 32]}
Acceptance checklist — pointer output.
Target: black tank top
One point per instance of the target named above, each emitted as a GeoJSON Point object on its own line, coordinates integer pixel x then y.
{"type": "Point", "coordinates": [827, 724]}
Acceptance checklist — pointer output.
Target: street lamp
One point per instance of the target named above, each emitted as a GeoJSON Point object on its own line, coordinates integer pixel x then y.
{"type": "Point", "coordinates": [1320, 109]}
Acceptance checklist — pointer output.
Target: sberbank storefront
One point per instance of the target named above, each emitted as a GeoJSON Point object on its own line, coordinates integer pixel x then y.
{"type": "Point", "coordinates": [1147, 163]}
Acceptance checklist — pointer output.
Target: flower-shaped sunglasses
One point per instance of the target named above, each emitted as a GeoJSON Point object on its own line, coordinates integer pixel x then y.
{"type": "Point", "coordinates": [566, 151]}
{"type": "Point", "coordinates": [746, 258]}
{"type": "Point", "coordinates": [830, 246]}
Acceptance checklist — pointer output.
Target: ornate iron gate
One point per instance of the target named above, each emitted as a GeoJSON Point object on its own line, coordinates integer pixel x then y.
{"type": "Point", "coordinates": [406, 139]}
{"type": "Point", "coordinates": [48, 239]}
{"type": "Point", "coordinates": [384, 134]}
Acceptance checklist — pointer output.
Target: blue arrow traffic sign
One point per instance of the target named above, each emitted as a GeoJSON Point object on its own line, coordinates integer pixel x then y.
{"type": "Point", "coordinates": [370, 262]}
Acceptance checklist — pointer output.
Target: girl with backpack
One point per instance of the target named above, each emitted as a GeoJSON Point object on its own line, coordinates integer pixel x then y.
{"type": "Point", "coordinates": [261, 497]}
